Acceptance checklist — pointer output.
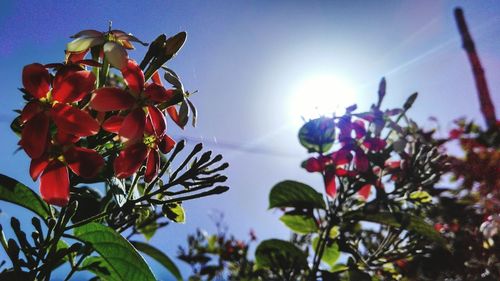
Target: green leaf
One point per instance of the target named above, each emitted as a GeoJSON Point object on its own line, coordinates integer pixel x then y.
{"type": "Point", "coordinates": [399, 220]}
{"type": "Point", "coordinates": [159, 257]}
{"type": "Point", "coordinates": [17, 193]}
{"type": "Point", "coordinates": [339, 268]}
{"type": "Point", "coordinates": [421, 196]}
{"type": "Point", "coordinates": [281, 254]}
{"type": "Point", "coordinates": [174, 212]}
{"type": "Point", "coordinates": [295, 194]}
{"type": "Point", "coordinates": [334, 232]}
{"type": "Point", "coordinates": [318, 135]}
{"type": "Point", "coordinates": [183, 114]}
{"type": "Point", "coordinates": [149, 230]}
{"type": "Point", "coordinates": [124, 262]}
{"type": "Point", "coordinates": [100, 267]}
{"type": "Point", "coordinates": [174, 44]}
{"type": "Point", "coordinates": [300, 224]}
{"type": "Point", "coordinates": [331, 252]}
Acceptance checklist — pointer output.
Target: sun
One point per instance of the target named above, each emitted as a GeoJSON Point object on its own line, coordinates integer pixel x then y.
{"type": "Point", "coordinates": [322, 95]}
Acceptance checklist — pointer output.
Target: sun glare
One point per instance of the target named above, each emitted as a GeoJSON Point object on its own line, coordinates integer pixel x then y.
{"type": "Point", "coordinates": [322, 95]}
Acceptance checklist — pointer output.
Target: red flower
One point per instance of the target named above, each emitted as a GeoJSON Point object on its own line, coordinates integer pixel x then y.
{"type": "Point", "coordinates": [138, 96]}
{"type": "Point", "coordinates": [133, 156]}
{"type": "Point", "coordinates": [330, 166]}
{"type": "Point", "coordinates": [52, 168]}
{"type": "Point", "coordinates": [70, 84]}
{"type": "Point", "coordinates": [349, 143]}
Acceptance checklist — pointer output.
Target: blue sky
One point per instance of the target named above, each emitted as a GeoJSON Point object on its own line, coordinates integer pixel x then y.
{"type": "Point", "coordinates": [246, 59]}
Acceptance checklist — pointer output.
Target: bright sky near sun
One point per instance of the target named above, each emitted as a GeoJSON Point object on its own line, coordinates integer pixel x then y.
{"type": "Point", "coordinates": [259, 66]}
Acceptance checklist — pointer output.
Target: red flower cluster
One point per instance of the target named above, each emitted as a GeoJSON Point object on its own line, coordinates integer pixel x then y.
{"type": "Point", "coordinates": [137, 120]}
{"type": "Point", "coordinates": [66, 106]}
{"type": "Point", "coordinates": [354, 143]}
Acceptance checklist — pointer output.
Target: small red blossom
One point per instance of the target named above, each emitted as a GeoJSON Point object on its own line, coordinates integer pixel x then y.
{"type": "Point", "coordinates": [133, 156]}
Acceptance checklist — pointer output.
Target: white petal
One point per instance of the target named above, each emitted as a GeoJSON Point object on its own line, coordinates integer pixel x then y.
{"type": "Point", "coordinates": [115, 54]}
{"type": "Point", "coordinates": [81, 44]}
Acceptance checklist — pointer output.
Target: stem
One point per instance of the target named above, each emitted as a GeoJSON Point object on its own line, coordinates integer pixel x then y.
{"type": "Point", "coordinates": [487, 107]}
{"type": "Point", "coordinates": [104, 72]}
{"type": "Point", "coordinates": [87, 220]}
{"type": "Point", "coordinates": [52, 243]}
{"type": "Point", "coordinates": [132, 186]}
{"type": "Point", "coordinates": [216, 190]}
{"type": "Point", "coordinates": [75, 267]}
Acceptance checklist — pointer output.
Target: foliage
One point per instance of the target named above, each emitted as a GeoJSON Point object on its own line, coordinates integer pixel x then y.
{"type": "Point", "coordinates": [467, 213]}
{"type": "Point", "coordinates": [99, 117]}
{"type": "Point", "coordinates": [378, 172]}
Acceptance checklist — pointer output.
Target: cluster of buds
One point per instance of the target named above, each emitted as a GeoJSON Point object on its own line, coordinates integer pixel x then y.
{"type": "Point", "coordinates": [77, 120]}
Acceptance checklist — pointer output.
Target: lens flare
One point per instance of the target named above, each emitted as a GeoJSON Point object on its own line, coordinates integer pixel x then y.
{"type": "Point", "coordinates": [322, 95]}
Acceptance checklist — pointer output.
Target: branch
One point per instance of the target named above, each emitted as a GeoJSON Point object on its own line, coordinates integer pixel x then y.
{"type": "Point", "coordinates": [487, 107]}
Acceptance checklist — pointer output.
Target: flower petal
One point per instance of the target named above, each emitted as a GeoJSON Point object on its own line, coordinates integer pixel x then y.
{"type": "Point", "coordinates": [365, 191]}
{"type": "Point", "coordinates": [156, 78]}
{"type": "Point", "coordinates": [133, 125]}
{"type": "Point", "coordinates": [113, 124]}
{"type": "Point", "coordinates": [166, 144]}
{"type": "Point", "coordinates": [152, 166]}
{"type": "Point", "coordinates": [36, 80]}
{"type": "Point", "coordinates": [72, 57]}
{"type": "Point", "coordinates": [111, 99]}
{"type": "Point", "coordinates": [37, 166]}
{"type": "Point", "coordinates": [359, 128]}
{"type": "Point", "coordinates": [63, 72]}
{"type": "Point", "coordinates": [330, 184]}
{"type": "Point", "coordinates": [133, 75]}
{"type": "Point", "coordinates": [88, 33]}
{"type": "Point", "coordinates": [74, 121]}
{"type": "Point", "coordinates": [115, 54]}
{"type": "Point", "coordinates": [341, 157]}
{"type": "Point", "coordinates": [157, 120]}
{"type": "Point", "coordinates": [84, 162]}
{"type": "Point", "coordinates": [361, 160]}
{"type": "Point", "coordinates": [313, 165]}
{"type": "Point", "coordinates": [63, 138]}
{"type": "Point", "coordinates": [34, 137]}
{"type": "Point", "coordinates": [54, 184]}
{"type": "Point", "coordinates": [123, 36]}
{"type": "Point", "coordinates": [130, 160]}
{"type": "Point", "coordinates": [158, 93]}
{"type": "Point", "coordinates": [172, 112]}
{"type": "Point", "coordinates": [375, 144]}
{"type": "Point", "coordinates": [83, 43]}
{"type": "Point", "coordinates": [31, 109]}
{"type": "Point", "coordinates": [74, 87]}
